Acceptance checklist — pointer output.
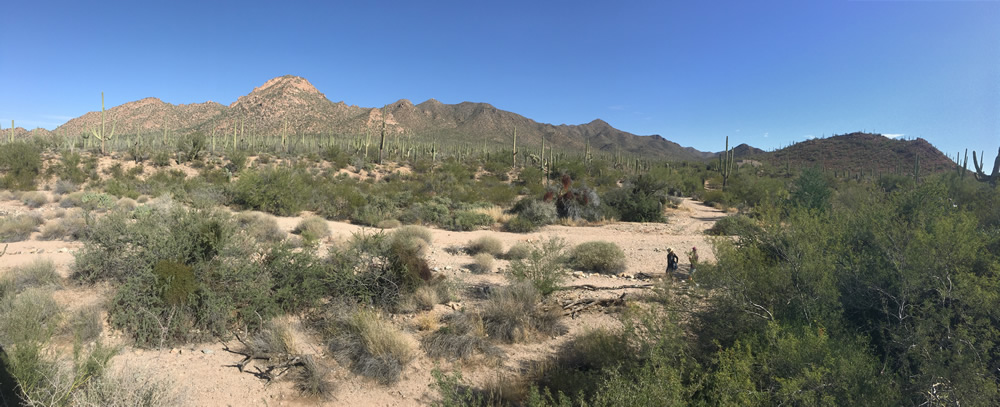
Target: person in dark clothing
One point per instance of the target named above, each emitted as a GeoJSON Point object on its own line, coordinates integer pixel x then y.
{"type": "Point", "coordinates": [672, 260]}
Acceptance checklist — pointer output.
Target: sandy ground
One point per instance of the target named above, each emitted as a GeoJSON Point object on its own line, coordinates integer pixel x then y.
{"type": "Point", "coordinates": [204, 373]}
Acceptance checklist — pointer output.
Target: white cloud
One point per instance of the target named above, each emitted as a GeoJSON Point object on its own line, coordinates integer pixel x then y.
{"type": "Point", "coordinates": [766, 134]}
{"type": "Point", "coordinates": [808, 136]}
{"type": "Point", "coordinates": [893, 135]}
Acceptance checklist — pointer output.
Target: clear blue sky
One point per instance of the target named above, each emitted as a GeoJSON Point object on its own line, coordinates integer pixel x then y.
{"type": "Point", "coordinates": [767, 73]}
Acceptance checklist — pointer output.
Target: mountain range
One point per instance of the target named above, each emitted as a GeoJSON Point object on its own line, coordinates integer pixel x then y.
{"type": "Point", "coordinates": [293, 106]}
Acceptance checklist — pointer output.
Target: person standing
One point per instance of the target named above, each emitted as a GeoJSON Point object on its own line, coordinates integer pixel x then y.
{"type": "Point", "coordinates": [672, 260]}
{"type": "Point", "coordinates": [693, 258]}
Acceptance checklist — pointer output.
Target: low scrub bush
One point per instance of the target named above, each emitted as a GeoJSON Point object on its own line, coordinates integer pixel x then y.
{"type": "Point", "coordinates": [520, 224]}
{"type": "Point", "coordinates": [72, 226]}
{"type": "Point", "coordinates": [464, 338]}
{"type": "Point", "coordinates": [19, 227]}
{"type": "Point", "coordinates": [88, 200]}
{"type": "Point", "coordinates": [544, 267]}
{"type": "Point", "coordinates": [34, 199]}
{"type": "Point", "coordinates": [539, 213]}
{"type": "Point", "coordinates": [467, 220]}
{"type": "Point", "coordinates": [372, 346]}
{"type": "Point", "coordinates": [312, 228]}
{"type": "Point", "coordinates": [598, 257]}
{"type": "Point", "coordinates": [129, 388]}
{"type": "Point", "coordinates": [86, 324]}
{"type": "Point", "coordinates": [639, 200]}
{"type": "Point", "coordinates": [485, 244]}
{"type": "Point", "coordinates": [518, 251]}
{"type": "Point", "coordinates": [483, 263]}
{"type": "Point", "coordinates": [512, 314]}
{"type": "Point", "coordinates": [31, 316]}
{"type": "Point", "coordinates": [281, 191]}
{"type": "Point", "coordinates": [260, 226]}
{"type": "Point", "coordinates": [38, 273]}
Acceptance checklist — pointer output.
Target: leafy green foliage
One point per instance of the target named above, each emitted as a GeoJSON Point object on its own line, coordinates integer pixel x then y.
{"type": "Point", "coordinates": [280, 191]}
{"type": "Point", "coordinates": [20, 164]}
{"type": "Point", "coordinates": [544, 267]}
{"type": "Point", "coordinates": [598, 257]}
{"type": "Point", "coordinates": [639, 200]}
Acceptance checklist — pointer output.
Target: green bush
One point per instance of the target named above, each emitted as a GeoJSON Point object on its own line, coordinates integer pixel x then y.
{"type": "Point", "coordinates": [34, 199]}
{"type": "Point", "coordinates": [518, 251]}
{"type": "Point", "coordinates": [520, 224]}
{"type": "Point", "coordinates": [469, 220]}
{"type": "Point", "coordinates": [736, 225]}
{"type": "Point", "coordinates": [537, 212]}
{"type": "Point", "coordinates": [639, 200]}
{"type": "Point", "coordinates": [280, 191]}
{"type": "Point", "coordinates": [544, 267]}
{"type": "Point", "coordinates": [175, 282]}
{"type": "Point", "coordinates": [31, 316]}
{"type": "Point", "coordinates": [485, 244]}
{"type": "Point", "coordinates": [21, 163]}
{"type": "Point", "coordinates": [260, 226]}
{"type": "Point", "coordinates": [598, 257]}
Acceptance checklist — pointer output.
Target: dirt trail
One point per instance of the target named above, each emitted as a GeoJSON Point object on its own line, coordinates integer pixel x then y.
{"type": "Point", "coordinates": [204, 372]}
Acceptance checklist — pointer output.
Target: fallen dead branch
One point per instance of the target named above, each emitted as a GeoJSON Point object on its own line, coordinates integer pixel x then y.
{"type": "Point", "coordinates": [278, 363]}
{"type": "Point", "coordinates": [571, 308]}
{"type": "Point", "coordinates": [590, 287]}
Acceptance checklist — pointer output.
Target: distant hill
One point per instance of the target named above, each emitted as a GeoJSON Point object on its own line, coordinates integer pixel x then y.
{"type": "Point", "coordinates": [292, 103]}
{"type": "Point", "coordinates": [861, 151]}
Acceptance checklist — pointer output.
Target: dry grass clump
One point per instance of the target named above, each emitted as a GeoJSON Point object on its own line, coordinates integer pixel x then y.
{"type": "Point", "coordinates": [497, 213]}
{"type": "Point", "coordinates": [38, 273]}
{"type": "Point", "coordinates": [71, 226]}
{"type": "Point", "coordinates": [312, 228]}
{"type": "Point", "coordinates": [260, 226]}
{"type": "Point", "coordinates": [483, 263]}
{"type": "Point", "coordinates": [19, 227]}
{"type": "Point", "coordinates": [427, 321]}
{"type": "Point", "coordinates": [64, 186]}
{"type": "Point", "coordinates": [131, 387]}
{"type": "Point", "coordinates": [30, 316]}
{"type": "Point", "coordinates": [372, 346]}
{"type": "Point", "coordinates": [34, 199]}
{"type": "Point", "coordinates": [485, 244]}
{"type": "Point", "coordinates": [126, 203]}
{"type": "Point", "coordinates": [426, 297]}
{"type": "Point", "coordinates": [389, 224]}
{"type": "Point", "coordinates": [464, 338]}
{"type": "Point", "coordinates": [410, 232]}
{"type": "Point", "coordinates": [513, 314]}
{"type": "Point", "coordinates": [6, 195]}
{"type": "Point", "coordinates": [86, 323]}
{"type": "Point", "coordinates": [312, 379]}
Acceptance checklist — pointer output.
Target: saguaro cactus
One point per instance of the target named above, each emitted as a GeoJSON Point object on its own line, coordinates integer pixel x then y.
{"type": "Point", "coordinates": [102, 135]}
{"type": "Point", "coordinates": [965, 164]}
{"type": "Point", "coordinates": [513, 155]}
{"type": "Point", "coordinates": [726, 164]}
{"type": "Point", "coordinates": [381, 143]}
{"type": "Point", "coordinates": [980, 175]}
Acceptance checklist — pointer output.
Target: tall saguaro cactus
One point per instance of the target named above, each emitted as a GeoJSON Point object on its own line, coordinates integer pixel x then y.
{"type": "Point", "coordinates": [513, 155]}
{"type": "Point", "coordinates": [980, 175]}
{"type": "Point", "coordinates": [381, 143]}
{"type": "Point", "coordinates": [102, 135]}
{"type": "Point", "coordinates": [726, 164]}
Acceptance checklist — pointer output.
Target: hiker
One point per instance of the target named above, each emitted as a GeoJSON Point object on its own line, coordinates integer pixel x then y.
{"type": "Point", "coordinates": [693, 258]}
{"type": "Point", "coordinates": [672, 260]}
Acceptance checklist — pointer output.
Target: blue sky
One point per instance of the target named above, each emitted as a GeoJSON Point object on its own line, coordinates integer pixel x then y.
{"type": "Point", "coordinates": [766, 73]}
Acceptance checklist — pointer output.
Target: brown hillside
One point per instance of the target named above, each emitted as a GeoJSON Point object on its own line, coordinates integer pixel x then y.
{"type": "Point", "coordinates": [862, 151]}
{"type": "Point", "coordinates": [292, 103]}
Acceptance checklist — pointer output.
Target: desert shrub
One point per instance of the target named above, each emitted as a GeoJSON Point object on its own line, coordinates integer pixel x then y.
{"type": "Point", "coordinates": [464, 338]}
{"type": "Point", "coordinates": [34, 199]}
{"type": "Point", "coordinates": [598, 256]}
{"type": "Point", "coordinates": [537, 212]}
{"type": "Point", "coordinates": [518, 251]}
{"type": "Point", "coordinates": [175, 282]}
{"type": "Point", "coordinates": [544, 267]}
{"type": "Point", "coordinates": [520, 224]}
{"type": "Point", "coordinates": [338, 158]}
{"type": "Point", "coordinates": [312, 228]}
{"type": "Point", "coordinates": [485, 244]}
{"type": "Point", "coordinates": [389, 224]}
{"type": "Point", "coordinates": [736, 225]}
{"type": "Point", "coordinates": [375, 210]}
{"type": "Point", "coordinates": [260, 226]}
{"type": "Point", "coordinates": [411, 232]}
{"type": "Point", "coordinates": [377, 268]}
{"type": "Point", "coordinates": [30, 316]}
{"type": "Point", "coordinates": [161, 158]}
{"type": "Point", "coordinates": [372, 346]}
{"type": "Point", "coordinates": [6, 195]}
{"type": "Point", "coordinates": [280, 191]}
{"type": "Point", "coordinates": [86, 324]}
{"type": "Point", "coordinates": [38, 273]}
{"type": "Point", "coordinates": [715, 198]}
{"type": "Point", "coordinates": [435, 211]}
{"type": "Point", "coordinates": [44, 379]}
{"type": "Point", "coordinates": [88, 200]}
{"type": "Point", "coordinates": [639, 200]}
{"type": "Point", "coordinates": [69, 172]}
{"type": "Point", "coordinates": [21, 163]}
{"type": "Point", "coordinates": [128, 388]}
{"type": "Point", "coordinates": [469, 220]}
{"type": "Point", "coordinates": [19, 227]}
{"type": "Point", "coordinates": [483, 263]}
{"type": "Point", "coordinates": [512, 314]}
{"type": "Point", "coordinates": [426, 297]}
{"type": "Point", "coordinates": [297, 277]}
{"type": "Point", "coordinates": [72, 226]}
{"type": "Point", "coordinates": [312, 379]}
